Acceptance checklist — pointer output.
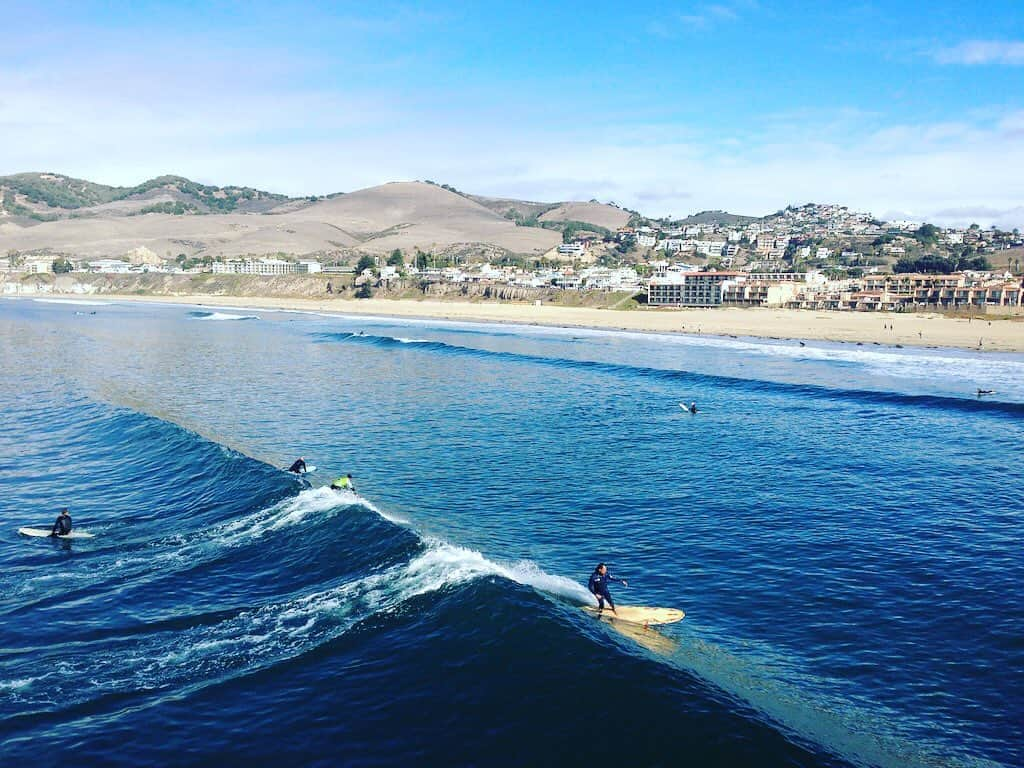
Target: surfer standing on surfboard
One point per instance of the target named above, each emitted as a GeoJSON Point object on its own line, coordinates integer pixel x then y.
{"type": "Point", "coordinates": [62, 525]}
{"type": "Point", "coordinates": [598, 586]}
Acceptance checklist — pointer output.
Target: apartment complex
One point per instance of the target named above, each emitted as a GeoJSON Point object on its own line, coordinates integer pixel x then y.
{"type": "Point", "coordinates": [265, 267]}
{"type": "Point", "coordinates": [688, 289]}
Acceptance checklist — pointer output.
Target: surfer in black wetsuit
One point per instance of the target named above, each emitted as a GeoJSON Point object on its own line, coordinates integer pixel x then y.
{"type": "Point", "coordinates": [62, 525]}
{"type": "Point", "coordinates": [598, 586]}
{"type": "Point", "coordinates": [298, 467]}
{"type": "Point", "coordinates": [693, 408]}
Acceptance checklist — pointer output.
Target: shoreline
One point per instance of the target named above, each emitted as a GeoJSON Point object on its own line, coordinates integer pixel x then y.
{"type": "Point", "coordinates": [907, 330]}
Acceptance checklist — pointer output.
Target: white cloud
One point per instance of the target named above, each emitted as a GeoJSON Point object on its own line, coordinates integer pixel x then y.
{"type": "Point", "coordinates": [975, 52]}
{"type": "Point", "coordinates": [121, 124]}
{"type": "Point", "coordinates": [705, 16]}
{"type": "Point", "coordinates": [1007, 219]}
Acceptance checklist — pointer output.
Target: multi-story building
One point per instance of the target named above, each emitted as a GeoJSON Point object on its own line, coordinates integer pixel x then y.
{"type": "Point", "coordinates": [758, 293]}
{"type": "Point", "coordinates": [688, 289]}
{"type": "Point", "coordinates": [943, 291]}
{"type": "Point", "coordinates": [265, 267]}
{"type": "Point", "coordinates": [575, 249]}
{"type": "Point", "coordinates": [710, 248]}
{"type": "Point", "coordinates": [38, 266]}
{"type": "Point", "coordinates": [646, 237]}
{"type": "Point", "coordinates": [110, 266]}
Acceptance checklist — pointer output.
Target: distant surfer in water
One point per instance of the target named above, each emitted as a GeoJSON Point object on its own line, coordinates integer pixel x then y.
{"type": "Point", "coordinates": [598, 586]}
{"type": "Point", "coordinates": [693, 408]}
{"type": "Point", "coordinates": [62, 525]}
{"type": "Point", "coordinates": [298, 467]}
{"type": "Point", "coordinates": [343, 483]}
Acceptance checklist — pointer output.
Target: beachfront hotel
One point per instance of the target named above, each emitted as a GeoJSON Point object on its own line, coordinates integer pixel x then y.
{"type": "Point", "coordinates": [688, 289]}
{"type": "Point", "coordinates": [885, 292]}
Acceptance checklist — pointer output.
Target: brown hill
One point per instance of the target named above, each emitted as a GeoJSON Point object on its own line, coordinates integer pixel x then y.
{"type": "Point", "coordinates": [376, 220]}
{"type": "Point", "coordinates": [411, 215]}
{"type": "Point", "coordinates": [602, 214]}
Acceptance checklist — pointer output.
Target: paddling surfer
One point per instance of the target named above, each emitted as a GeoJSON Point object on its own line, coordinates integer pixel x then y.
{"type": "Point", "coordinates": [62, 525]}
{"type": "Point", "coordinates": [598, 586]}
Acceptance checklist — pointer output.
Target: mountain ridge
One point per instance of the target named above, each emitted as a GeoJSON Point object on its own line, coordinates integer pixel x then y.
{"type": "Point", "coordinates": [171, 215]}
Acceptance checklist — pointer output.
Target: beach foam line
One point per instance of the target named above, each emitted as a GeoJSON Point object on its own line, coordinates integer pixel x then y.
{"type": "Point", "coordinates": [74, 302]}
{"type": "Point", "coordinates": [202, 315]}
{"type": "Point", "coordinates": [788, 346]}
{"type": "Point", "coordinates": [1014, 372]}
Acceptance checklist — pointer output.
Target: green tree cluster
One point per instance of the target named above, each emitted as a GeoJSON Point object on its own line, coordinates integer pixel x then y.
{"type": "Point", "coordinates": [927, 234]}
{"type": "Point", "coordinates": [176, 208]}
{"type": "Point", "coordinates": [364, 263]}
{"type": "Point", "coordinates": [68, 193]}
{"type": "Point", "coordinates": [932, 264]}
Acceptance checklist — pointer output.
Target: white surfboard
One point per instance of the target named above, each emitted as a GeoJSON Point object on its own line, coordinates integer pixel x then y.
{"type": "Point", "coordinates": [45, 533]}
{"type": "Point", "coordinates": [635, 614]}
{"type": "Point", "coordinates": [309, 468]}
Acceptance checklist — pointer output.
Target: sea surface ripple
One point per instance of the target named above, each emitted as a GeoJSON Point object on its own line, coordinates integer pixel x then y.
{"type": "Point", "coordinates": [842, 525]}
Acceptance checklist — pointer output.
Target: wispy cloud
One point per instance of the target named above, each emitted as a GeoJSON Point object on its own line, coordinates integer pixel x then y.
{"type": "Point", "coordinates": [1003, 218]}
{"type": "Point", "coordinates": [709, 15]}
{"type": "Point", "coordinates": [976, 52]}
{"type": "Point", "coordinates": [701, 17]}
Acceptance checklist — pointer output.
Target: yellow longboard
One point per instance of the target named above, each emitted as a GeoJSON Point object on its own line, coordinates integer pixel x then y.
{"type": "Point", "coordinates": [635, 614]}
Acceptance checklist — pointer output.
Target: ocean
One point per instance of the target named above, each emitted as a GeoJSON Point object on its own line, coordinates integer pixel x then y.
{"type": "Point", "coordinates": [842, 525]}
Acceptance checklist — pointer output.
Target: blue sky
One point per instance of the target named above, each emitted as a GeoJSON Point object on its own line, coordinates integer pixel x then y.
{"type": "Point", "coordinates": [903, 109]}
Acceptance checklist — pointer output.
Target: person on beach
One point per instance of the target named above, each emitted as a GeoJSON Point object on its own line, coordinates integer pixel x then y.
{"type": "Point", "coordinates": [598, 586]}
{"type": "Point", "coordinates": [343, 483]}
{"type": "Point", "coordinates": [62, 525]}
{"type": "Point", "coordinates": [299, 467]}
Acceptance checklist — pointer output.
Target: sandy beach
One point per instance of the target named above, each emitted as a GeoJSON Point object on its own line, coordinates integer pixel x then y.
{"type": "Point", "coordinates": [919, 330]}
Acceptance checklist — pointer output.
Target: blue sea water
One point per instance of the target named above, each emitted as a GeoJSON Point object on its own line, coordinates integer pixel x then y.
{"type": "Point", "coordinates": [842, 524]}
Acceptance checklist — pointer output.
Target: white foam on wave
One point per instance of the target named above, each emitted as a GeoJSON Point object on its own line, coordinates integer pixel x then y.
{"type": "Point", "coordinates": [18, 685]}
{"type": "Point", "coordinates": [74, 302]}
{"type": "Point", "coordinates": [404, 340]}
{"type": "Point", "coordinates": [186, 549]}
{"type": "Point", "coordinates": [258, 637]}
{"type": "Point", "coordinates": [227, 316]}
{"type": "Point", "coordinates": [960, 370]}
{"type": "Point", "coordinates": [530, 574]}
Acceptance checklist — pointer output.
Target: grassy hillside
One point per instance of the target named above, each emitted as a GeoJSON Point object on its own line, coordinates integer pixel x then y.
{"type": "Point", "coordinates": [216, 199]}
{"type": "Point", "coordinates": [44, 193]}
{"type": "Point", "coordinates": [718, 217]}
{"type": "Point", "coordinates": [57, 191]}
{"type": "Point", "coordinates": [518, 211]}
